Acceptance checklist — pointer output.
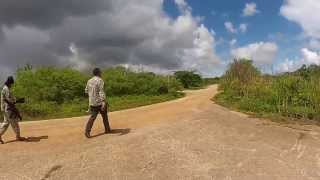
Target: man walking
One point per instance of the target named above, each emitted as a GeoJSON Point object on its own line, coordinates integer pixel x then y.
{"type": "Point", "coordinates": [97, 102]}
{"type": "Point", "coordinates": [10, 114]}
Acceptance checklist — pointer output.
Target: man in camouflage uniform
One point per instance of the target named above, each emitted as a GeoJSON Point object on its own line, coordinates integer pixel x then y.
{"type": "Point", "coordinates": [97, 102]}
{"type": "Point", "coordinates": [9, 118]}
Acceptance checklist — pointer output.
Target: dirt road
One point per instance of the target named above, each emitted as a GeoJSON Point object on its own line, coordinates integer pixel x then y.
{"type": "Point", "coordinates": [189, 138]}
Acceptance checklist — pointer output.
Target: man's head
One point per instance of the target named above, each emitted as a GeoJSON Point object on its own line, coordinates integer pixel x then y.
{"type": "Point", "coordinates": [9, 82]}
{"type": "Point", "coordinates": [97, 72]}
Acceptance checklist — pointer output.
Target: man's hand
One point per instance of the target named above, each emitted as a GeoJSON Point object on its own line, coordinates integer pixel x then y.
{"type": "Point", "coordinates": [104, 106]}
{"type": "Point", "coordinates": [20, 100]}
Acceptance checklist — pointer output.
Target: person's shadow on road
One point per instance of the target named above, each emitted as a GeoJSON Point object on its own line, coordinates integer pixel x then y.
{"type": "Point", "coordinates": [36, 139]}
{"type": "Point", "coordinates": [120, 132]}
{"type": "Point", "coordinates": [30, 139]}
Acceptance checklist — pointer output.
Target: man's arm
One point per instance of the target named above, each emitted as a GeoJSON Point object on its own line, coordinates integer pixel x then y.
{"type": "Point", "coordinates": [86, 90]}
{"type": "Point", "coordinates": [11, 101]}
{"type": "Point", "coordinates": [102, 95]}
{"type": "Point", "coordinates": [7, 98]}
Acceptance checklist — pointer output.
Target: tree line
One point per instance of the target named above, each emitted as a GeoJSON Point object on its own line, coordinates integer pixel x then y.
{"type": "Point", "coordinates": [59, 92]}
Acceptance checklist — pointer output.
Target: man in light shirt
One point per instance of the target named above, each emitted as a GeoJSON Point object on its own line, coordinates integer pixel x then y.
{"type": "Point", "coordinates": [97, 102]}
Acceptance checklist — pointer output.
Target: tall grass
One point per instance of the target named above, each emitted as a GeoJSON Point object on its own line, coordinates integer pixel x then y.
{"type": "Point", "coordinates": [292, 95]}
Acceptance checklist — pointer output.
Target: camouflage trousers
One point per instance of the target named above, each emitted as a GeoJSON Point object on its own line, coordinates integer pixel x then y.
{"type": "Point", "coordinates": [9, 121]}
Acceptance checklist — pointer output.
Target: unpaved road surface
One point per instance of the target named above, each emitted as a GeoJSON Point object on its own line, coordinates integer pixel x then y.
{"type": "Point", "coordinates": [189, 138]}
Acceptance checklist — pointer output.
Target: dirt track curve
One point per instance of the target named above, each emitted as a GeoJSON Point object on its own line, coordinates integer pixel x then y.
{"type": "Point", "coordinates": [189, 138]}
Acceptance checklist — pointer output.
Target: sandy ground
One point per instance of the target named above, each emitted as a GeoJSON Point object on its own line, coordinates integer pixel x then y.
{"type": "Point", "coordinates": [189, 138]}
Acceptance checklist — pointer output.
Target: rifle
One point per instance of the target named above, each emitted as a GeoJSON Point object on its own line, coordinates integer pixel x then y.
{"type": "Point", "coordinates": [15, 113]}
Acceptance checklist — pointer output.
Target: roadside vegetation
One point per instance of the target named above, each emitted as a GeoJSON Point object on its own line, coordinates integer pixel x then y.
{"type": "Point", "coordinates": [289, 96]}
{"type": "Point", "coordinates": [189, 79]}
{"type": "Point", "coordinates": [192, 80]}
{"type": "Point", "coordinates": [59, 92]}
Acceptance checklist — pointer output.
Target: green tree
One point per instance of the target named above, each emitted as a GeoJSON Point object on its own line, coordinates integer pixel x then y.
{"type": "Point", "coordinates": [189, 79]}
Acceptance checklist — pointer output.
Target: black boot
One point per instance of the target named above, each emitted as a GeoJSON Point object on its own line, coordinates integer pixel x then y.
{"type": "Point", "coordinates": [87, 134]}
{"type": "Point", "coordinates": [19, 138]}
{"type": "Point", "coordinates": [107, 131]}
{"type": "Point", "coordinates": [1, 141]}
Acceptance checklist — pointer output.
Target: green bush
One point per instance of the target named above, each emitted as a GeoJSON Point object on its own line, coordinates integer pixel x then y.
{"type": "Point", "coordinates": [59, 92]}
{"type": "Point", "coordinates": [209, 81]}
{"type": "Point", "coordinates": [120, 81]}
{"type": "Point", "coordinates": [240, 77]}
{"type": "Point", "coordinates": [50, 84]}
{"type": "Point", "coordinates": [189, 79]}
{"type": "Point", "coordinates": [294, 95]}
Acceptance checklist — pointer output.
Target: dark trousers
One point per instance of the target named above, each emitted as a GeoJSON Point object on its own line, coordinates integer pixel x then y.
{"type": "Point", "coordinates": [95, 110]}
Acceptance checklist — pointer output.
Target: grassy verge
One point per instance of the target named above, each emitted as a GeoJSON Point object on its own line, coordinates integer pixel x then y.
{"type": "Point", "coordinates": [288, 97]}
{"type": "Point", "coordinates": [79, 107]}
{"type": "Point", "coordinates": [259, 111]}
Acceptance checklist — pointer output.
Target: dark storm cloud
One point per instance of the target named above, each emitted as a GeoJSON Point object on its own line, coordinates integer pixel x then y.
{"type": "Point", "coordinates": [86, 33]}
{"type": "Point", "coordinates": [23, 45]}
{"type": "Point", "coordinates": [46, 13]}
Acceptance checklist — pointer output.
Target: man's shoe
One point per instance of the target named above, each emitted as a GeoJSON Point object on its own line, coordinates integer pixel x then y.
{"type": "Point", "coordinates": [107, 131]}
{"type": "Point", "coordinates": [87, 134]}
{"type": "Point", "coordinates": [1, 141]}
{"type": "Point", "coordinates": [21, 139]}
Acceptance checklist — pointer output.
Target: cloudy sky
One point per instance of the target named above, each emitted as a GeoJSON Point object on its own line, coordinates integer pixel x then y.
{"type": "Point", "coordinates": [159, 35]}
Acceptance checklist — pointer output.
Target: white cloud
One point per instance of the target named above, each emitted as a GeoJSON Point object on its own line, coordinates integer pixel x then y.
{"type": "Point", "coordinates": [314, 44]}
{"type": "Point", "coordinates": [262, 53]}
{"type": "Point", "coordinates": [229, 26]}
{"type": "Point", "coordinates": [243, 28]}
{"type": "Point", "coordinates": [304, 12]}
{"type": "Point", "coordinates": [144, 68]}
{"type": "Point", "coordinates": [287, 66]}
{"type": "Point", "coordinates": [250, 9]}
{"type": "Point", "coordinates": [202, 56]}
{"type": "Point", "coordinates": [183, 6]}
{"type": "Point", "coordinates": [308, 57]}
{"type": "Point", "coordinates": [76, 59]}
{"type": "Point", "coordinates": [213, 33]}
{"type": "Point", "coordinates": [233, 42]}
{"type": "Point", "coordinates": [232, 29]}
